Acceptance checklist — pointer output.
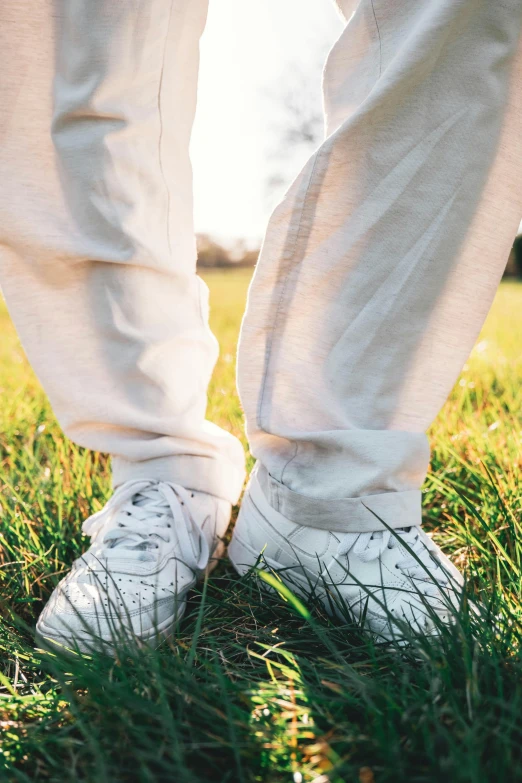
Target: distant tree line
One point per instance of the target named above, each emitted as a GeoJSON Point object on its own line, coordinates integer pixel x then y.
{"type": "Point", "coordinates": [214, 255]}
{"type": "Point", "coordinates": [514, 264]}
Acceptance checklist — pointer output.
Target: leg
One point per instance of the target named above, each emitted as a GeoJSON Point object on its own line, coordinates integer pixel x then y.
{"type": "Point", "coordinates": [380, 265]}
{"type": "Point", "coordinates": [97, 263]}
{"type": "Point", "coordinates": [97, 253]}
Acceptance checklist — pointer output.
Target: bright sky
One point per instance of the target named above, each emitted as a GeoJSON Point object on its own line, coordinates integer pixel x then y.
{"type": "Point", "coordinates": [250, 53]}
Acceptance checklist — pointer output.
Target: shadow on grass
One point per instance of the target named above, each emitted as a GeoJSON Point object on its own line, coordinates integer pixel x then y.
{"type": "Point", "coordinates": [272, 690]}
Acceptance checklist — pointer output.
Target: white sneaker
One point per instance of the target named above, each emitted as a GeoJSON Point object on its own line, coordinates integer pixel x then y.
{"type": "Point", "coordinates": [387, 587]}
{"type": "Point", "coordinates": [150, 544]}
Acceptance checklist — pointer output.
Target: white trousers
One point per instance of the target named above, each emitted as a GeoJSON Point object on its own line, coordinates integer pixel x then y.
{"type": "Point", "coordinates": [376, 274]}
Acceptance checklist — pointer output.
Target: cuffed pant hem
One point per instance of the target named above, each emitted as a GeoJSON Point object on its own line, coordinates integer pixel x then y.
{"type": "Point", "coordinates": [343, 515]}
{"type": "Point", "coordinates": [202, 474]}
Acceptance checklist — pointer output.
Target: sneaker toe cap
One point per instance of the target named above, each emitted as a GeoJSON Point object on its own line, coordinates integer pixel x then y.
{"type": "Point", "coordinates": [86, 616]}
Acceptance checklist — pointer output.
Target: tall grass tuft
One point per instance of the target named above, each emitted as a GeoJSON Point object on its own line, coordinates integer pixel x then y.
{"type": "Point", "coordinates": [268, 688]}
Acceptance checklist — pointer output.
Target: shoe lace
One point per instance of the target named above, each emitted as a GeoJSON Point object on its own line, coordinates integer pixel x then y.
{"type": "Point", "coordinates": [140, 515]}
{"type": "Point", "coordinates": [371, 546]}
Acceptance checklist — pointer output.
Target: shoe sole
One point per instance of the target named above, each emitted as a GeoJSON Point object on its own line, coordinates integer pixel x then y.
{"type": "Point", "coordinates": [244, 558]}
{"type": "Point", "coordinates": [49, 639]}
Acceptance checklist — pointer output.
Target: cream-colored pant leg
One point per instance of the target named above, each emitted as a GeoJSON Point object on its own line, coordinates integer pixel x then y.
{"type": "Point", "coordinates": [97, 253]}
{"type": "Point", "coordinates": [381, 263]}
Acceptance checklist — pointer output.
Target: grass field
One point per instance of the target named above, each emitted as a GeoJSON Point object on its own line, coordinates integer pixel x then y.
{"type": "Point", "coordinates": [249, 689]}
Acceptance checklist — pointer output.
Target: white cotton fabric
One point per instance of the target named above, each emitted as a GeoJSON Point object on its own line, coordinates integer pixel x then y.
{"type": "Point", "coordinates": [378, 268]}
{"type": "Point", "coordinates": [381, 263]}
{"type": "Point", "coordinates": [97, 250]}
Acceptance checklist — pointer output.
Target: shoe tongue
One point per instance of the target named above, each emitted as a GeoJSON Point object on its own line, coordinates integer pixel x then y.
{"type": "Point", "coordinates": [132, 541]}
{"type": "Point", "coordinates": [406, 534]}
{"type": "Point", "coordinates": [398, 531]}
{"type": "Point", "coordinates": [143, 501]}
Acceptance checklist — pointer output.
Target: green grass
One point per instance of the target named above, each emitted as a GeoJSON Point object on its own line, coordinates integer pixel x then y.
{"type": "Point", "coordinates": [265, 693]}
